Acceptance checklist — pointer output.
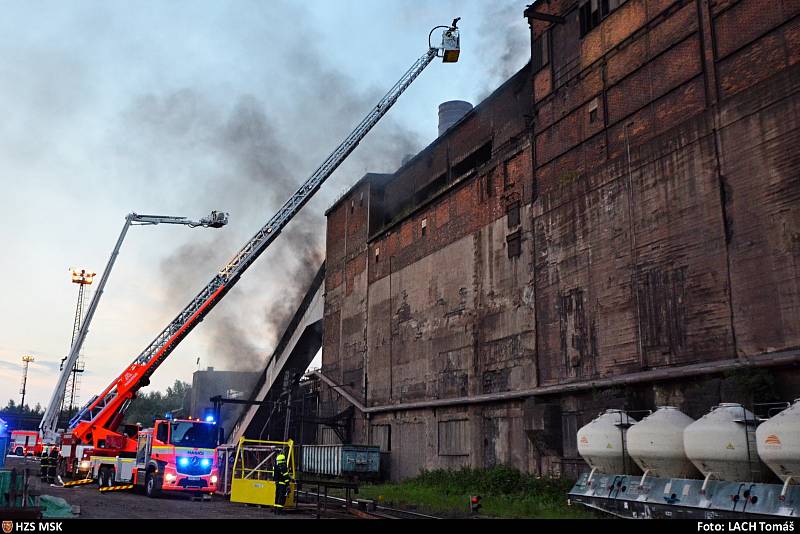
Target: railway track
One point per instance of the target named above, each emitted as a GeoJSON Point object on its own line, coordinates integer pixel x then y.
{"type": "Point", "coordinates": [380, 512]}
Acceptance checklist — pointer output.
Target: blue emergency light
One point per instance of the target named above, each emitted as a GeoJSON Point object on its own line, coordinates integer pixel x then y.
{"type": "Point", "coordinates": [183, 462]}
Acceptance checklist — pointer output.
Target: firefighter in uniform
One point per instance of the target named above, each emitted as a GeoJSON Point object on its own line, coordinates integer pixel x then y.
{"type": "Point", "coordinates": [44, 461]}
{"type": "Point", "coordinates": [52, 465]}
{"type": "Point", "coordinates": [281, 475]}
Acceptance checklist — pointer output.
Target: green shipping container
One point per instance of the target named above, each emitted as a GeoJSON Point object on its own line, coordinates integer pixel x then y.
{"type": "Point", "coordinates": [341, 460]}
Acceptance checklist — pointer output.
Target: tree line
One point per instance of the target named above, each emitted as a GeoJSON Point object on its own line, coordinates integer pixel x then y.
{"type": "Point", "coordinates": [144, 409]}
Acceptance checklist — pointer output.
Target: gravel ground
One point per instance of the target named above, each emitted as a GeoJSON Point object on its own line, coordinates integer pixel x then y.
{"type": "Point", "coordinates": [127, 504]}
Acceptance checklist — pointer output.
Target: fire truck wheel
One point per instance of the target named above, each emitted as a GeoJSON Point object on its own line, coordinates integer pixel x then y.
{"type": "Point", "coordinates": [18, 451]}
{"type": "Point", "coordinates": [62, 468]}
{"type": "Point", "coordinates": [152, 485]}
{"type": "Point", "coordinates": [103, 480]}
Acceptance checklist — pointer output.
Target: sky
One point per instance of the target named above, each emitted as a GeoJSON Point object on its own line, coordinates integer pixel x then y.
{"type": "Point", "coordinates": [180, 107]}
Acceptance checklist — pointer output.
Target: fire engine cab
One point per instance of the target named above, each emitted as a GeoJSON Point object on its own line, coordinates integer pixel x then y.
{"type": "Point", "coordinates": [174, 455]}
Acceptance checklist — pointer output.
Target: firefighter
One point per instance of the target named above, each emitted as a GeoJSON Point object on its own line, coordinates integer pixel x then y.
{"type": "Point", "coordinates": [44, 461]}
{"type": "Point", "coordinates": [52, 465]}
{"type": "Point", "coordinates": [282, 488]}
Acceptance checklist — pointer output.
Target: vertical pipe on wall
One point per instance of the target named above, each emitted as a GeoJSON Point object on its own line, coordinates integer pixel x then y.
{"type": "Point", "coordinates": [391, 308]}
{"type": "Point", "coordinates": [634, 280]}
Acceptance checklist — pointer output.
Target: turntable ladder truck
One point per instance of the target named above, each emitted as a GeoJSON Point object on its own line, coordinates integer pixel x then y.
{"type": "Point", "coordinates": [97, 423]}
{"type": "Point", "coordinates": [47, 435]}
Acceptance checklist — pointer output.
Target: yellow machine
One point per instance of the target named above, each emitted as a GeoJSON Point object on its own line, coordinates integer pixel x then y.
{"type": "Point", "coordinates": [253, 471]}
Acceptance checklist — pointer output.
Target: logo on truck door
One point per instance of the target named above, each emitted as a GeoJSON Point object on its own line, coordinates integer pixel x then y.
{"type": "Point", "coordinates": [8, 526]}
{"type": "Point", "coordinates": [196, 452]}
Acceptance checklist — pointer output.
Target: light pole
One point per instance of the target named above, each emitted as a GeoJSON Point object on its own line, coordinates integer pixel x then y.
{"type": "Point", "coordinates": [26, 360]}
{"type": "Point", "coordinates": [82, 278]}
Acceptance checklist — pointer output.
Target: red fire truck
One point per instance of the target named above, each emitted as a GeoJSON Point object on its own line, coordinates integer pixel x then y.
{"type": "Point", "coordinates": [174, 455]}
{"type": "Point", "coordinates": [25, 443]}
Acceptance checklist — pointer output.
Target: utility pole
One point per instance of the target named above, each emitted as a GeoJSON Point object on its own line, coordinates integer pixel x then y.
{"type": "Point", "coordinates": [26, 360]}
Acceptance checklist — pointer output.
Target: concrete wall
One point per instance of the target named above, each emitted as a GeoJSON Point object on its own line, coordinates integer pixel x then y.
{"type": "Point", "coordinates": [655, 167]}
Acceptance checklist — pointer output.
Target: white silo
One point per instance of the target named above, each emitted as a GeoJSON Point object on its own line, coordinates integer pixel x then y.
{"type": "Point", "coordinates": [723, 442]}
{"type": "Point", "coordinates": [656, 444]}
{"type": "Point", "coordinates": [602, 443]}
{"type": "Point", "coordinates": [778, 442]}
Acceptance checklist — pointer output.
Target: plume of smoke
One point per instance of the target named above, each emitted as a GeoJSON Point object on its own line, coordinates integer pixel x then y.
{"type": "Point", "coordinates": [280, 310]}
{"type": "Point", "coordinates": [246, 143]}
{"type": "Point", "coordinates": [232, 341]}
{"type": "Point", "coordinates": [505, 42]}
{"type": "Point", "coordinates": [238, 156]}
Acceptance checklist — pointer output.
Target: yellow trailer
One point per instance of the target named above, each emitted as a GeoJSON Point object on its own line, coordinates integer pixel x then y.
{"type": "Point", "coordinates": [253, 480]}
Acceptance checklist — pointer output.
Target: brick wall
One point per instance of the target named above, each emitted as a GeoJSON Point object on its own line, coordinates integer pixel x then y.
{"type": "Point", "coordinates": [658, 222]}
{"type": "Point", "coordinates": [345, 284]}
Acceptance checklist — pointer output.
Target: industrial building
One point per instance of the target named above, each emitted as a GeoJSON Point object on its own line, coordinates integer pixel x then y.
{"type": "Point", "coordinates": [592, 274]}
{"type": "Point", "coordinates": [211, 383]}
{"type": "Point", "coordinates": [616, 226]}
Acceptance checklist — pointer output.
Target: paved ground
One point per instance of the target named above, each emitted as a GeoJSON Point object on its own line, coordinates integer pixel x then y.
{"type": "Point", "coordinates": [121, 505]}
{"type": "Point", "coordinates": [126, 504]}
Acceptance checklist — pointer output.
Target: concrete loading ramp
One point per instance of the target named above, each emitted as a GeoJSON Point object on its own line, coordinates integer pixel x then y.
{"type": "Point", "coordinates": [297, 347]}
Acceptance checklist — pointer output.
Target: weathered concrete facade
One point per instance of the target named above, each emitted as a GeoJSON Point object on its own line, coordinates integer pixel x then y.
{"type": "Point", "coordinates": [618, 225]}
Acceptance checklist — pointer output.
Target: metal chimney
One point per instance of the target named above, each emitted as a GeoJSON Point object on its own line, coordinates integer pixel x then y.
{"type": "Point", "coordinates": [450, 112]}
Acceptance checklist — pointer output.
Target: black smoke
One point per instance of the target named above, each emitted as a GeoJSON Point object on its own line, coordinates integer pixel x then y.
{"type": "Point", "coordinates": [237, 156]}
{"type": "Point", "coordinates": [504, 43]}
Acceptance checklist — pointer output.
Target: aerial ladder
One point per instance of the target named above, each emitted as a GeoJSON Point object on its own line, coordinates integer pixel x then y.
{"type": "Point", "coordinates": [47, 427]}
{"type": "Point", "coordinates": [97, 422]}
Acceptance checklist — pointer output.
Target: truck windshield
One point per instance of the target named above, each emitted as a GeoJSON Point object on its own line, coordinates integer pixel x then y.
{"type": "Point", "coordinates": [23, 438]}
{"type": "Point", "coordinates": [201, 435]}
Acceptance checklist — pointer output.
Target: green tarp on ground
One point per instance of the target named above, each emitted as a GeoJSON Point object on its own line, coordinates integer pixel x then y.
{"type": "Point", "coordinates": [55, 507]}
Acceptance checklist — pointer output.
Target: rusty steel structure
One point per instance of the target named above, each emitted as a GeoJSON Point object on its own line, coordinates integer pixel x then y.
{"type": "Point", "coordinates": [616, 226]}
